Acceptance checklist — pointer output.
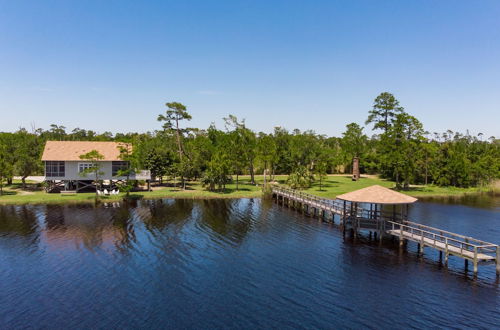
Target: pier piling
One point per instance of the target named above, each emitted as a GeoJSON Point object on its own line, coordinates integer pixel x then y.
{"type": "Point", "coordinates": [357, 218]}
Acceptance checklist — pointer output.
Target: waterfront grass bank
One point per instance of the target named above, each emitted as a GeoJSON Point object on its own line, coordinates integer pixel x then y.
{"type": "Point", "coordinates": [332, 186]}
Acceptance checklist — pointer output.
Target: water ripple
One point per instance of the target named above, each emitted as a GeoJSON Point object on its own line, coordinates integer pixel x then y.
{"type": "Point", "coordinates": [229, 264]}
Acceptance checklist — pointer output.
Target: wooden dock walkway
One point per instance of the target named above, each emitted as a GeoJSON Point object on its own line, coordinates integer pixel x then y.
{"type": "Point", "coordinates": [357, 218]}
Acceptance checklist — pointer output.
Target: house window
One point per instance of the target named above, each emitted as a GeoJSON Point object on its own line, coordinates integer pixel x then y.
{"type": "Point", "coordinates": [54, 169]}
{"type": "Point", "coordinates": [118, 166]}
{"type": "Point", "coordinates": [84, 166]}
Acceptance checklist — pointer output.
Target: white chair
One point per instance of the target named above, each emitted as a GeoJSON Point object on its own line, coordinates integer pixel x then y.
{"type": "Point", "coordinates": [99, 192]}
{"type": "Point", "coordinates": [117, 191]}
{"type": "Point", "coordinates": [106, 192]}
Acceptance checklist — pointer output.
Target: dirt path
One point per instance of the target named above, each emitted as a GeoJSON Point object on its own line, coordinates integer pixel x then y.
{"type": "Point", "coordinates": [32, 178]}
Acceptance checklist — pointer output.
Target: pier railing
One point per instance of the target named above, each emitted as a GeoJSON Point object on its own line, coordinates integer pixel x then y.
{"type": "Point", "coordinates": [302, 196]}
{"type": "Point", "coordinates": [337, 205]}
{"type": "Point", "coordinates": [359, 217]}
{"type": "Point", "coordinates": [439, 238]}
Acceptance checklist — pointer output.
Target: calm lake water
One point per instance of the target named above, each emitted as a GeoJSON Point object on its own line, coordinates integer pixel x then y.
{"type": "Point", "coordinates": [234, 264]}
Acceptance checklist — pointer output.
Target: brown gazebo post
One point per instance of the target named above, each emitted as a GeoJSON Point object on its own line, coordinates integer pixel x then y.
{"type": "Point", "coordinates": [344, 217]}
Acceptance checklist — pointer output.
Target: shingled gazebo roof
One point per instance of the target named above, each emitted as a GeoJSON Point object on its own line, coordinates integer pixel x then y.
{"type": "Point", "coordinates": [71, 150]}
{"type": "Point", "coordinates": [377, 195]}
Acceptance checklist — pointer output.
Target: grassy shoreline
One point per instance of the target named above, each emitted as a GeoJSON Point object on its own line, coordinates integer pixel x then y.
{"type": "Point", "coordinates": [334, 185]}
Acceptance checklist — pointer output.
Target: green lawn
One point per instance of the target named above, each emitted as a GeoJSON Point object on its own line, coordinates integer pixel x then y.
{"type": "Point", "coordinates": [15, 195]}
{"type": "Point", "coordinates": [334, 185]}
{"type": "Point", "coordinates": [339, 184]}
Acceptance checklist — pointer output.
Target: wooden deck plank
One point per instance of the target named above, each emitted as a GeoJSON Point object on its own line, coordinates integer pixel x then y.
{"type": "Point", "coordinates": [458, 245]}
{"type": "Point", "coordinates": [441, 246]}
{"type": "Point", "coordinates": [319, 205]}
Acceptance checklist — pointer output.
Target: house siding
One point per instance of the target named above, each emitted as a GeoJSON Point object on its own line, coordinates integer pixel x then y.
{"type": "Point", "coordinates": [71, 172]}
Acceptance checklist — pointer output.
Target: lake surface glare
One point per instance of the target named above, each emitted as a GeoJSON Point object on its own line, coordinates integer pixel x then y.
{"type": "Point", "coordinates": [245, 263]}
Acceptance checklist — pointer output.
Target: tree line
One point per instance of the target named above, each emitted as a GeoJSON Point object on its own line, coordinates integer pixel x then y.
{"type": "Point", "coordinates": [399, 149]}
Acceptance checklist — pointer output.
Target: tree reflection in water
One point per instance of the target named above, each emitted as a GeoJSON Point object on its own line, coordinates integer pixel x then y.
{"type": "Point", "coordinates": [231, 219]}
{"type": "Point", "coordinates": [89, 225]}
{"type": "Point", "coordinates": [158, 215]}
{"type": "Point", "coordinates": [19, 223]}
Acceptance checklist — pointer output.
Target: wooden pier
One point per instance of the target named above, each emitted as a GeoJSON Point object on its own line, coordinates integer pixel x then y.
{"type": "Point", "coordinates": [357, 217]}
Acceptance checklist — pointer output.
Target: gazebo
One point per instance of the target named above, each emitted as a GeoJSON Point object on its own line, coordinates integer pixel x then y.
{"type": "Point", "coordinates": [376, 196]}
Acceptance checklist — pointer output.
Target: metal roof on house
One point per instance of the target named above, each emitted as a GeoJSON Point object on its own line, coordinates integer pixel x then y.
{"type": "Point", "coordinates": [71, 150]}
{"type": "Point", "coordinates": [377, 195]}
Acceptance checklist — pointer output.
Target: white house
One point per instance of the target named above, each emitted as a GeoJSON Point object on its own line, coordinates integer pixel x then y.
{"type": "Point", "coordinates": [64, 168]}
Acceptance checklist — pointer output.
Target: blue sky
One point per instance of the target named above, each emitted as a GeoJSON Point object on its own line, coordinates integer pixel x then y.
{"type": "Point", "coordinates": [111, 65]}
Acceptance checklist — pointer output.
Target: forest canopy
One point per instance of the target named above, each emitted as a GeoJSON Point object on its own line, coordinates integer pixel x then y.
{"type": "Point", "coordinates": [400, 149]}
